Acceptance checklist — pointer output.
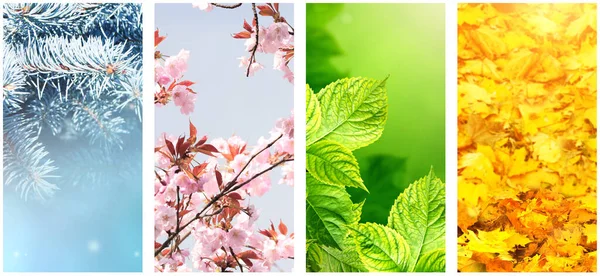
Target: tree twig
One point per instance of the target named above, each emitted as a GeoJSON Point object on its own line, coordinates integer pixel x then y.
{"type": "Point", "coordinates": [236, 259]}
{"type": "Point", "coordinates": [226, 6]}
{"type": "Point", "coordinates": [234, 180]}
{"type": "Point", "coordinates": [253, 56]}
{"type": "Point", "coordinates": [292, 32]}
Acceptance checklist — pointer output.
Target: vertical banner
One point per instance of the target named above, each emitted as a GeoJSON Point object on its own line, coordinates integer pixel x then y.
{"type": "Point", "coordinates": [224, 197]}
{"type": "Point", "coordinates": [375, 192]}
{"type": "Point", "coordinates": [527, 137]}
{"type": "Point", "coordinates": [72, 103]}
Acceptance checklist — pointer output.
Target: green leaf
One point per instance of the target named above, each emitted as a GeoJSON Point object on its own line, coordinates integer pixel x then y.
{"type": "Point", "coordinates": [419, 216]}
{"type": "Point", "coordinates": [357, 208]}
{"type": "Point", "coordinates": [334, 260]}
{"type": "Point", "coordinates": [434, 261]}
{"type": "Point", "coordinates": [313, 112]}
{"type": "Point", "coordinates": [328, 212]}
{"type": "Point", "coordinates": [354, 112]}
{"type": "Point", "coordinates": [381, 248]}
{"type": "Point", "coordinates": [332, 163]}
{"type": "Point", "coordinates": [314, 257]}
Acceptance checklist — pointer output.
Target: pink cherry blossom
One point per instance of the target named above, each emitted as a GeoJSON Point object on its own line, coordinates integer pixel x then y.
{"type": "Point", "coordinates": [162, 137]}
{"type": "Point", "coordinates": [165, 217]}
{"type": "Point", "coordinates": [186, 185]}
{"type": "Point", "coordinates": [259, 186]}
{"type": "Point", "coordinates": [287, 171]}
{"type": "Point", "coordinates": [236, 238]}
{"type": "Point", "coordinates": [205, 6]}
{"type": "Point", "coordinates": [184, 98]}
{"type": "Point", "coordinates": [161, 75]}
{"type": "Point", "coordinates": [239, 162]}
{"type": "Point", "coordinates": [285, 246]}
{"type": "Point", "coordinates": [260, 267]}
{"type": "Point", "coordinates": [264, 156]}
{"type": "Point", "coordinates": [245, 61]}
{"type": "Point", "coordinates": [276, 36]}
{"type": "Point", "coordinates": [175, 66]}
{"type": "Point", "coordinates": [161, 160]}
{"type": "Point", "coordinates": [211, 187]}
{"type": "Point", "coordinates": [188, 105]}
{"type": "Point", "coordinates": [288, 74]}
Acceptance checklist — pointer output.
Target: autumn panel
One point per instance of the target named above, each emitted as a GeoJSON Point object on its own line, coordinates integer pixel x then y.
{"type": "Point", "coordinates": [527, 137]}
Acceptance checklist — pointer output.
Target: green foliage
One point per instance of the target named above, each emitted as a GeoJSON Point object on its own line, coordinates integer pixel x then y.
{"type": "Point", "coordinates": [433, 261]}
{"type": "Point", "coordinates": [321, 46]}
{"type": "Point", "coordinates": [332, 163]}
{"type": "Point", "coordinates": [328, 212]}
{"type": "Point", "coordinates": [313, 112]}
{"type": "Point", "coordinates": [346, 115]}
{"type": "Point", "coordinates": [326, 259]}
{"type": "Point", "coordinates": [381, 248]}
{"type": "Point", "coordinates": [418, 215]}
{"type": "Point", "coordinates": [353, 112]}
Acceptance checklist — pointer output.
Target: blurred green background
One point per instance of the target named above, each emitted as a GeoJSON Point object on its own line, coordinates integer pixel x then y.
{"type": "Point", "coordinates": [406, 42]}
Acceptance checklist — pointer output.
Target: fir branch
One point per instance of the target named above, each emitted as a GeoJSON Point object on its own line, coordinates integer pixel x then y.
{"type": "Point", "coordinates": [75, 70]}
{"type": "Point", "coordinates": [130, 93]}
{"type": "Point", "coordinates": [34, 20]}
{"type": "Point", "coordinates": [64, 56]}
{"type": "Point", "coordinates": [121, 21]}
{"type": "Point", "coordinates": [49, 111]}
{"type": "Point", "coordinates": [96, 121]}
{"type": "Point", "coordinates": [13, 78]}
{"type": "Point", "coordinates": [26, 162]}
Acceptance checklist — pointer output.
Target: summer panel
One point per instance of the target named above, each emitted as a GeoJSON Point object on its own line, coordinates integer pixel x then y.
{"type": "Point", "coordinates": [527, 137]}
{"type": "Point", "coordinates": [224, 187]}
{"type": "Point", "coordinates": [375, 192]}
{"type": "Point", "coordinates": [72, 110]}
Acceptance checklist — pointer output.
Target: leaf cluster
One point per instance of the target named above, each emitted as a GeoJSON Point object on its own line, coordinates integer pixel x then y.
{"type": "Point", "coordinates": [527, 135]}
{"type": "Point", "coordinates": [344, 116]}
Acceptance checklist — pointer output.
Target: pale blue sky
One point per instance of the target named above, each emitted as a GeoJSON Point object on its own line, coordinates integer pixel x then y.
{"type": "Point", "coordinates": [228, 102]}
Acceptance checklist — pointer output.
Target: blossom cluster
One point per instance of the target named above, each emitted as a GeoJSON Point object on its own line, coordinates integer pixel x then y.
{"type": "Point", "coordinates": [276, 39]}
{"type": "Point", "coordinates": [168, 75]}
{"type": "Point", "coordinates": [208, 201]}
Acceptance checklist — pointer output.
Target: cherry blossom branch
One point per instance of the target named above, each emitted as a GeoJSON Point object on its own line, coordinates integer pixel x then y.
{"type": "Point", "coordinates": [226, 6]}
{"type": "Point", "coordinates": [253, 56]}
{"type": "Point", "coordinates": [229, 188]}
{"type": "Point", "coordinates": [292, 32]}
{"type": "Point", "coordinates": [234, 180]}
{"type": "Point", "coordinates": [224, 193]}
{"type": "Point", "coordinates": [177, 210]}
{"type": "Point", "coordinates": [260, 173]}
{"type": "Point", "coordinates": [215, 199]}
{"type": "Point", "coordinates": [236, 259]}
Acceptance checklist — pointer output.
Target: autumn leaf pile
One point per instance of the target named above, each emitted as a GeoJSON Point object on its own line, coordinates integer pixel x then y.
{"type": "Point", "coordinates": [527, 137]}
